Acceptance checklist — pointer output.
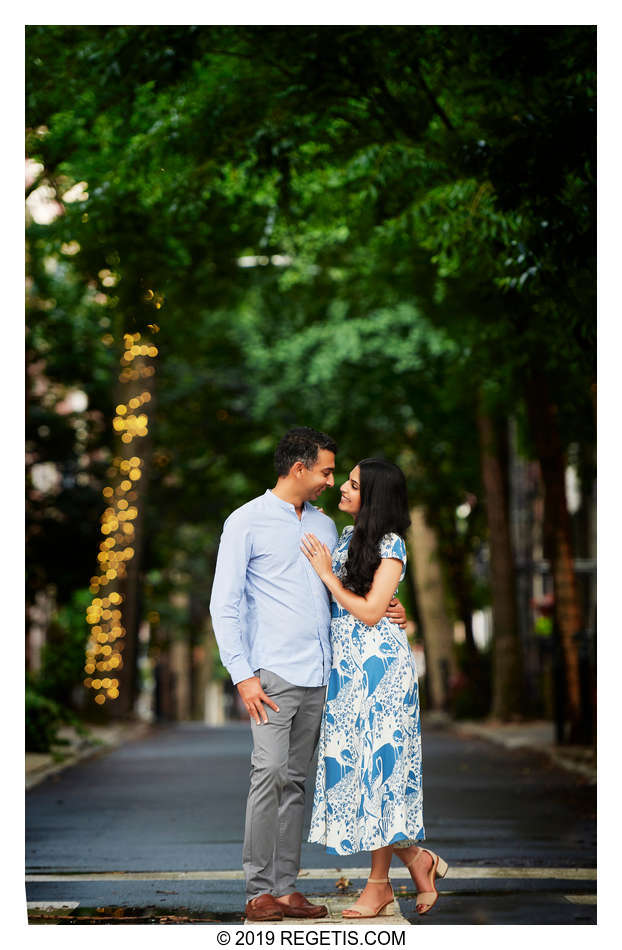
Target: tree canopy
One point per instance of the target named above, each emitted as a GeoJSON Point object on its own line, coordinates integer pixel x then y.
{"type": "Point", "coordinates": [363, 229]}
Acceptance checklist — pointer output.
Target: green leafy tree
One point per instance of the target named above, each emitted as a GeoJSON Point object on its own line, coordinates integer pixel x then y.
{"type": "Point", "coordinates": [430, 193]}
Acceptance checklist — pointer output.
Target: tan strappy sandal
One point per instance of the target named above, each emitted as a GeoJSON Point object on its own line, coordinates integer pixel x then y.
{"type": "Point", "coordinates": [438, 869]}
{"type": "Point", "coordinates": [364, 910]}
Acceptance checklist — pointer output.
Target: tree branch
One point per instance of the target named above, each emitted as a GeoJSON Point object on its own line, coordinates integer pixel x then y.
{"type": "Point", "coordinates": [432, 99]}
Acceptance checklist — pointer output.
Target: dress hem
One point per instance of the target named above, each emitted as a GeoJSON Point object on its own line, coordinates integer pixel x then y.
{"type": "Point", "coordinates": [420, 836]}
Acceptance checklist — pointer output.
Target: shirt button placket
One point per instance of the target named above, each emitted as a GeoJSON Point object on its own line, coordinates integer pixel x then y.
{"type": "Point", "coordinates": [313, 599]}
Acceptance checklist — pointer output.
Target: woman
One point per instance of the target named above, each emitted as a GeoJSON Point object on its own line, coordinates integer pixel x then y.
{"type": "Point", "coordinates": [368, 794]}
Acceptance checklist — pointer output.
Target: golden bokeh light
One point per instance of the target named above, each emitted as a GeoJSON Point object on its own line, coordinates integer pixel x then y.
{"type": "Point", "coordinates": [103, 614]}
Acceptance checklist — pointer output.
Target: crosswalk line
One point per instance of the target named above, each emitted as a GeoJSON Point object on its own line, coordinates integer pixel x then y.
{"type": "Point", "coordinates": [457, 872]}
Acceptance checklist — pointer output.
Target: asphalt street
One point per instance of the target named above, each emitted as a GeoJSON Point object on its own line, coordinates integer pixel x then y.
{"type": "Point", "coordinates": [155, 827]}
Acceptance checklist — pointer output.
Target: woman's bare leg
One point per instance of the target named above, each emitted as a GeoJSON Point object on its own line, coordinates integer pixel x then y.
{"type": "Point", "coordinates": [375, 895]}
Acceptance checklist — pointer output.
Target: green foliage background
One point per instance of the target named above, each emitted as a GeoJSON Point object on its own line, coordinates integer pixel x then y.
{"type": "Point", "coordinates": [419, 205]}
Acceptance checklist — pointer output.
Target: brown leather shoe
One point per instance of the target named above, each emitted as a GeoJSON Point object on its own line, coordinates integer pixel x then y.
{"type": "Point", "coordinates": [264, 907]}
{"type": "Point", "coordinates": [299, 906]}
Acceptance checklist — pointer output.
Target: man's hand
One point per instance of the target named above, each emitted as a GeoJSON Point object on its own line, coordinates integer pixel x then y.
{"type": "Point", "coordinates": [397, 613]}
{"type": "Point", "coordinates": [253, 698]}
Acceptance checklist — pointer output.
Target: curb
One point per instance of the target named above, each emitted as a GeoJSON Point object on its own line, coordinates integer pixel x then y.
{"type": "Point", "coordinates": [577, 759]}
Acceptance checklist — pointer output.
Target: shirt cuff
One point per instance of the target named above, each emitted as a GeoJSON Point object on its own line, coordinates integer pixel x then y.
{"type": "Point", "coordinates": [240, 670]}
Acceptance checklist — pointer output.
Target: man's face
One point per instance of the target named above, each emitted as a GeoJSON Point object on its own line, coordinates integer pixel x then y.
{"type": "Point", "coordinates": [314, 480]}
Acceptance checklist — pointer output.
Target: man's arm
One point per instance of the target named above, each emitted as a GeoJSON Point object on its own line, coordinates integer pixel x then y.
{"type": "Point", "coordinates": [227, 593]}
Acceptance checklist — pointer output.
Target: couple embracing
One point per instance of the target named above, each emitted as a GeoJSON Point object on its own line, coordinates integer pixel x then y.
{"type": "Point", "coordinates": [296, 609]}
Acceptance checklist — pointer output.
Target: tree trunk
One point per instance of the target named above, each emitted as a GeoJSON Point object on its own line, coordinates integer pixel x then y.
{"type": "Point", "coordinates": [507, 693]}
{"type": "Point", "coordinates": [438, 632]}
{"type": "Point", "coordinates": [568, 614]}
{"type": "Point", "coordinates": [460, 588]}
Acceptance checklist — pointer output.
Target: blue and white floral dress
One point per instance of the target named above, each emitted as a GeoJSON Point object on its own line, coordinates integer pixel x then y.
{"type": "Point", "coordinates": [368, 788]}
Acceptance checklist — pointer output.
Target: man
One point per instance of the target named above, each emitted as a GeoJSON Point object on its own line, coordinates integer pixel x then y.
{"type": "Point", "coordinates": [271, 617]}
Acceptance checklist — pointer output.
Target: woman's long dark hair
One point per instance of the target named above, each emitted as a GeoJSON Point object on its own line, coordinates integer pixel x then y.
{"type": "Point", "coordinates": [384, 509]}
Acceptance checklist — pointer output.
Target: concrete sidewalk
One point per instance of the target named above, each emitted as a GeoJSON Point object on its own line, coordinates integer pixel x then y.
{"type": "Point", "coordinates": [335, 905]}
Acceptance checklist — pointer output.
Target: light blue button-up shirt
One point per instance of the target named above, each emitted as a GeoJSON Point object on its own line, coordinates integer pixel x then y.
{"type": "Point", "coordinates": [269, 608]}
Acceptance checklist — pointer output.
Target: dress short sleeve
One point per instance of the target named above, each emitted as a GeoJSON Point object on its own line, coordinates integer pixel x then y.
{"type": "Point", "coordinates": [392, 545]}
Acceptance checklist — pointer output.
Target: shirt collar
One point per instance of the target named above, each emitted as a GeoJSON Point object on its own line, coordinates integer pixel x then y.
{"type": "Point", "coordinates": [287, 505]}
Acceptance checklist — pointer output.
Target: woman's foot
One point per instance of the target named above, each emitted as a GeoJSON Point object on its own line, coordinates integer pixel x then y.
{"type": "Point", "coordinates": [373, 898]}
{"type": "Point", "coordinates": [422, 865]}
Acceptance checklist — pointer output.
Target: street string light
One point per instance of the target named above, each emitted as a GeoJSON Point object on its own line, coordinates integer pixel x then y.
{"type": "Point", "coordinates": [104, 615]}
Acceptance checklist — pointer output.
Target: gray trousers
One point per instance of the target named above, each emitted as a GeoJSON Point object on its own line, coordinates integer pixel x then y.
{"type": "Point", "coordinates": [282, 752]}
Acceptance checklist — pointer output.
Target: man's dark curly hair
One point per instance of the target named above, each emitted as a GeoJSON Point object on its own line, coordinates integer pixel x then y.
{"type": "Point", "coordinates": [301, 445]}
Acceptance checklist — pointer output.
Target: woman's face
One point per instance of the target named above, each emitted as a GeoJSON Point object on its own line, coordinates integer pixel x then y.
{"type": "Point", "coordinates": [351, 493]}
